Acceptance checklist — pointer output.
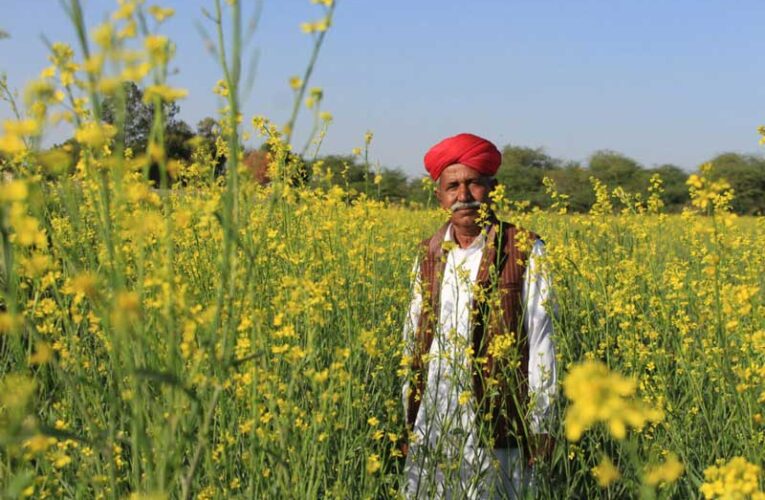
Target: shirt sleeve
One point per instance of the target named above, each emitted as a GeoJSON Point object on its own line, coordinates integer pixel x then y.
{"type": "Point", "coordinates": [540, 307]}
{"type": "Point", "coordinates": [410, 324]}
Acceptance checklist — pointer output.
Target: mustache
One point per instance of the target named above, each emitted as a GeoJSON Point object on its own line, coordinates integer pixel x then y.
{"type": "Point", "coordinates": [459, 205]}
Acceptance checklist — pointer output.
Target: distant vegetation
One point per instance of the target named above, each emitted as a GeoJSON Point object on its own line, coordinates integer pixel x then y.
{"type": "Point", "coordinates": [523, 168]}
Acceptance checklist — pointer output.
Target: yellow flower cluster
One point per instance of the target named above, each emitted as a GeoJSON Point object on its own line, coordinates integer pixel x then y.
{"type": "Point", "coordinates": [605, 472]}
{"type": "Point", "coordinates": [14, 134]}
{"type": "Point", "coordinates": [736, 479]}
{"type": "Point", "coordinates": [706, 192]}
{"type": "Point", "coordinates": [501, 345]}
{"type": "Point", "coordinates": [316, 26]}
{"type": "Point", "coordinates": [95, 135]}
{"type": "Point", "coordinates": [665, 473]}
{"type": "Point", "coordinates": [598, 395]}
{"type": "Point", "coordinates": [164, 93]}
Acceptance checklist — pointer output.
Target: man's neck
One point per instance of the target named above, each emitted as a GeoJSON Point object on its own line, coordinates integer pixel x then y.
{"type": "Point", "coordinates": [465, 236]}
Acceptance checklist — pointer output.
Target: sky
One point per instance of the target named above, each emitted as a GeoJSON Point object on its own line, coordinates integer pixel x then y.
{"type": "Point", "coordinates": [661, 81]}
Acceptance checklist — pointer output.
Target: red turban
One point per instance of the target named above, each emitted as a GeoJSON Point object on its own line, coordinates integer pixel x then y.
{"type": "Point", "coordinates": [467, 149]}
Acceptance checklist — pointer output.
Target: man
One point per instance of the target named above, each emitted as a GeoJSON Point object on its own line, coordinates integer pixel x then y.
{"type": "Point", "coordinates": [478, 341]}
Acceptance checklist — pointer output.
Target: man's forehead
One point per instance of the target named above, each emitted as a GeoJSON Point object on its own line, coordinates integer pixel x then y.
{"type": "Point", "coordinates": [459, 171]}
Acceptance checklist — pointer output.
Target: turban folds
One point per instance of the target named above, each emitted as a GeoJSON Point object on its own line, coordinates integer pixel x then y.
{"type": "Point", "coordinates": [467, 149]}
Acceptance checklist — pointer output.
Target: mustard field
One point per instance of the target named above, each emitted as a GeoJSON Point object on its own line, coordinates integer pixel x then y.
{"type": "Point", "coordinates": [212, 336]}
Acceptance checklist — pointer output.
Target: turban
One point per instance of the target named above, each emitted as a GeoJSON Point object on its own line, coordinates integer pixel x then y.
{"type": "Point", "coordinates": [467, 149]}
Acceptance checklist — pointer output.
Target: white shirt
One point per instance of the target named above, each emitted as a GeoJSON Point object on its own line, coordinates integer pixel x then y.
{"type": "Point", "coordinates": [444, 435]}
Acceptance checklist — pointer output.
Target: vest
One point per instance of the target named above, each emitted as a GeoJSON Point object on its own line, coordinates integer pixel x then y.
{"type": "Point", "coordinates": [500, 383]}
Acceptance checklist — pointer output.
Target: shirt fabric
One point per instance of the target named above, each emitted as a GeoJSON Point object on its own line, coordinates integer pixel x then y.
{"type": "Point", "coordinates": [445, 459]}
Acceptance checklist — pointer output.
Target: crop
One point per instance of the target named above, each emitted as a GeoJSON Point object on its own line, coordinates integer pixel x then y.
{"type": "Point", "coordinates": [212, 336]}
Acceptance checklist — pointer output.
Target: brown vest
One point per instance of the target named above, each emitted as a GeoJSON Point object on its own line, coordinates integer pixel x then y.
{"type": "Point", "coordinates": [499, 385]}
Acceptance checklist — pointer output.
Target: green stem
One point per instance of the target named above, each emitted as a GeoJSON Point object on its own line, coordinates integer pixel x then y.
{"type": "Point", "coordinates": [307, 76]}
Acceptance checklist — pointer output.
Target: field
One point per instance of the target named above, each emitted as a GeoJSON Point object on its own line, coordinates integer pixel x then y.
{"type": "Point", "coordinates": [222, 337]}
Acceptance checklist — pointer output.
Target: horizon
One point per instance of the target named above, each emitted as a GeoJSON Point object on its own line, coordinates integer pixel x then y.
{"type": "Point", "coordinates": [661, 84]}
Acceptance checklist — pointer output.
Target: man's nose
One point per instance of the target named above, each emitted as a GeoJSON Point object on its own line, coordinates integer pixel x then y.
{"type": "Point", "coordinates": [463, 194]}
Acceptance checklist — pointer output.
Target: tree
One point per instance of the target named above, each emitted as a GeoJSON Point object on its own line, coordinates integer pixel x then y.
{"type": "Point", "coordinates": [746, 175]}
{"type": "Point", "coordinates": [138, 115]}
{"type": "Point", "coordinates": [358, 178]}
{"type": "Point", "coordinates": [393, 185]}
{"type": "Point", "coordinates": [574, 181]}
{"type": "Point", "coordinates": [522, 171]}
{"type": "Point", "coordinates": [675, 191]}
{"type": "Point", "coordinates": [178, 137]}
{"type": "Point", "coordinates": [615, 169]}
{"type": "Point", "coordinates": [419, 191]}
{"type": "Point", "coordinates": [208, 130]}
{"type": "Point", "coordinates": [348, 174]}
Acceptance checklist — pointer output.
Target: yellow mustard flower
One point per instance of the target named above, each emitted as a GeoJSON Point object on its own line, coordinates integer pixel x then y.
{"type": "Point", "coordinates": [666, 473]}
{"type": "Point", "coordinates": [736, 478]}
{"type": "Point", "coordinates": [605, 472]}
{"type": "Point", "coordinates": [599, 395]}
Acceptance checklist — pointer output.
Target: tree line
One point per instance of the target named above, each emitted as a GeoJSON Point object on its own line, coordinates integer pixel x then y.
{"type": "Point", "coordinates": [523, 168]}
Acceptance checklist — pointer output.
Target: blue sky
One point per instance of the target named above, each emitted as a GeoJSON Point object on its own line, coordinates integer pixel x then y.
{"type": "Point", "coordinates": [663, 81]}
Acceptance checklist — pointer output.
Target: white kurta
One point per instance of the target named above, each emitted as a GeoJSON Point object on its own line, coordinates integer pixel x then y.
{"type": "Point", "coordinates": [445, 458]}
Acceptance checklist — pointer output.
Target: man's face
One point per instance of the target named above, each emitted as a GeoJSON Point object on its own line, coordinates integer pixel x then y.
{"type": "Point", "coordinates": [462, 190]}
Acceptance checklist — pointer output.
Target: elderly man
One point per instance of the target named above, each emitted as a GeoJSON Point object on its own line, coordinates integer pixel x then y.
{"type": "Point", "coordinates": [478, 341]}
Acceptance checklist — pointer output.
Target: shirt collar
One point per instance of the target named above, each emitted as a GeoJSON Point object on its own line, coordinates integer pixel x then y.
{"type": "Point", "coordinates": [477, 243]}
